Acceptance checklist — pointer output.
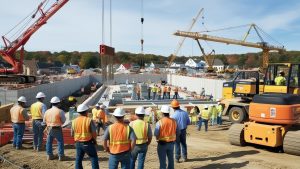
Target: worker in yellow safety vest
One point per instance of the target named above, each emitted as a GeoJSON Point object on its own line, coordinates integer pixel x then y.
{"type": "Point", "coordinates": [19, 115]}
{"type": "Point", "coordinates": [214, 114]}
{"type": "Point", "coordinates": [154, 90]}
{"type": "Point", "coordinates": [96, 119]}
{"type": "Point", "coordinates": [84, 133]}
{"type": "Point", "coordinates": [37, 111]}
{"type": "Point", "coordinates": [220, 112]}
{"type": "Point", "coordinates": [166, 131]}
{"type": "Point", "coordinates": [280, 79]}
{"type": "Point", "coordinates": [158, 93]}
{"type": "Point", "coordinates": [143, 134]}
{"type": "Point", "coordinates": [204, 118]}
{"type": "Point", "coordinates": [119, 141]}
{"type": "Point", "coordinates": [54, 119]}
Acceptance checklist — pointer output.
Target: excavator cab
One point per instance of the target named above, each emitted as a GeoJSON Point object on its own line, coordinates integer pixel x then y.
{"type": "Point", "coordinates": [287, 83]}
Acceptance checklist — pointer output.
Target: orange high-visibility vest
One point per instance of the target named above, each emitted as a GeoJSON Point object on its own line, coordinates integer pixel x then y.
{"type": "Point", "coordinates": [16, 114]}
{"type": "Point", "coordinates": [165, 89]}
{"type": "Point", "coordinates": [36, 110]}
{"type": "Point", "coordinates": [82, 130]}
{"type": "Point", "coordinates": [140, 128]}
{"type": "Point", "coordinates": [102, 116]}
{"type": "Point", "coordinates": [52, 117]}
{"type": "Point", "coordinates": [119, 138]}
{"type": "Point", "coordinates": [167, 130]}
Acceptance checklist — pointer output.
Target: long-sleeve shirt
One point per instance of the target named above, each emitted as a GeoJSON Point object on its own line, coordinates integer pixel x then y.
{"type": "Point", "coordinates": [182, 118]}
{"type": "Point", "coordinates": [157, 130]}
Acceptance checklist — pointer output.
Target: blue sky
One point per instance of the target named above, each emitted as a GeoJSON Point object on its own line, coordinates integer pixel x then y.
{"type": "Point", "coordinates": [77, 26]}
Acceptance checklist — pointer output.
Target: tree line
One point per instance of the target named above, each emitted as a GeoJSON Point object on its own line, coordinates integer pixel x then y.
{"type": "Point", "coordinates": [92, 59]}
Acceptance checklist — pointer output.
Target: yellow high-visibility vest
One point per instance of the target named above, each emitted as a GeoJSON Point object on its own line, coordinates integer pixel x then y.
{"type": "Point", "coordinates": [36, 110]}
{"type": "Point", "coordinates": [205, 114]}
{"type": "Point", "coordinates": [140, 128]}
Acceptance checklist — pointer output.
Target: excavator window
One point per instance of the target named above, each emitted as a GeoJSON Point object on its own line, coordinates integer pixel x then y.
{"type": "Point", "coordinates": [274, 71]}
{"type": "Point", "coordinates": [294, 77]}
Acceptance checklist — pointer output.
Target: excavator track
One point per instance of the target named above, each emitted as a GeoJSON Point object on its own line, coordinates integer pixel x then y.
{"type": "Point", "coordinates": [291, 143]}
{"type": "Point", "coordinates": [236, 135]}
{"type": "Point", "coordinates": [16, 79]}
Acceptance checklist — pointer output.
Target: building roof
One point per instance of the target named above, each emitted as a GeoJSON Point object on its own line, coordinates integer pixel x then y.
{"type": "Point", "coordinates": [218, 62]}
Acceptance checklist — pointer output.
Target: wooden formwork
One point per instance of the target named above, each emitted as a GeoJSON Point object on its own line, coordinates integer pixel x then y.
{"type": "Point", "coordinates": [5, 113]}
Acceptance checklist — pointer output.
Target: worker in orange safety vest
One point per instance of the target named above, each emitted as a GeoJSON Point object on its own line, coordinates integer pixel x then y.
{"type": "Point", "coordinates": [84, 133]}
{"type": "Point", "coordinates": [18, 116]}
{"type": "Point", "coordinates": [54, 119]}
{"type": "Point", "coordinates": [166, 131]}
{"type": "Point", "coordinates": [143, 134]}
{"type": "Point", "coordinates": [119, 140]}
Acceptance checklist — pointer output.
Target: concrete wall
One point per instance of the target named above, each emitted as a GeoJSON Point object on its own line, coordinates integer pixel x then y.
{"type": "Point", "coordinates": [121, 78]}
{"type": "Point", "coordinates": [211, 86]}
{"type": "Point", "coordinates": [92, 100]}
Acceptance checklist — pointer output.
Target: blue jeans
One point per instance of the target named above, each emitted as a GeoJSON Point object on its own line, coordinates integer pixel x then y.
{"type": "Point", "coordinates": [213, 121]}
{"type": "Point", "coordinates": [115, 159]}
{"type": "Point", "coordinates": [58, 135]}
{"type": "Point", "coordinates": [219, 120]}
{"type": "Point", "coordinates": [154, 95]}
{"type": "Point", "coordinates": [38, 133]}
{"type": "Point", "coordinates": [90, 150]}
{"type": "Point", "coordinates": [205, 123]}
{"type": "Point", "coordinates": [165, 150]}
{"type": "Point", "coordinates": [19, 129]}
{"type": "Point", "coordinates": [139, 152]}
{"type": "Point", "coordinates": [181, 143]}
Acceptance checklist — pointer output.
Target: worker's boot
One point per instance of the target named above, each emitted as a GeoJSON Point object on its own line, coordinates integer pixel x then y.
{"type": "Point", "coordinates": [61, 158]}
{"type": "Point", "coordinates": [185, 160]}
{"type": "Point", "coordinates": [50, 157]}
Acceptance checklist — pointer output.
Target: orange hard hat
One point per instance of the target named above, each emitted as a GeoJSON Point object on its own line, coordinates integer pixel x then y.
{"type": "Point", "coordinates": [175, 103]}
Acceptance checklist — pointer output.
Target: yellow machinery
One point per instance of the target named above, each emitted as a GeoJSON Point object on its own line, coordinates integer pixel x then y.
{"type": "Point", "coordinates": [274, 122]}
{"type": "Point", "coordinates": [238, 93]}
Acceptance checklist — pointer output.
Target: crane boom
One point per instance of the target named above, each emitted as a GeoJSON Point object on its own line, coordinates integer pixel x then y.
{"type": "Point", "coordinates": [11, 47]}
{"type": "Point", "coordinates": [180, 43]}
{"type": "Point", "coordinates": [263, 45]}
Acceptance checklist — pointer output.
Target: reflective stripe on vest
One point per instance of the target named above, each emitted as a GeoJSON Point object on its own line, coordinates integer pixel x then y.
{"type": "Point", "coordinates": [81, 127]}
{"type": "Point", "coordinates": [36, 110]}
{"type": "Point", "coordinates": [205, 114]}
{"type": "Point", "coordinates": [167, 130]}
{"type": "Point", "coordinates": [140, 128]}
{"type": "Point", "coordinates": [52, 117]}
{"type": "Point", "coordinates": [119, 138]}
{"type": "Point", "coordinates": [16, 114]}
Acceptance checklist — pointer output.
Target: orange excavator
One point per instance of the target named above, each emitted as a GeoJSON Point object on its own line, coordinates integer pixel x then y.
{"type": "Point", "coordinates": [14, 74]}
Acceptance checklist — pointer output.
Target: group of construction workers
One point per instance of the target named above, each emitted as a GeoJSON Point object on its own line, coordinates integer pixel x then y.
{"type": "Point", "coordinates": [50, 120]}
{"type": "Point", "coordinates": [161, 92]}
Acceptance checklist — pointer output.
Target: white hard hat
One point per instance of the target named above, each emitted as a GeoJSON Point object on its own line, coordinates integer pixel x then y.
{"type": "Point", "coordinates": [148, 111]}
{"type": "Point", "coordinates": [22, 99]}
{"type": "Point", "coordinates": [97, 105]}
{"type": "Point", "coordinates": [140, 110]}
{"type": "Point", "coordinates": [218, 100]}
{"type": "Point", "coordinates": [102, 106]}
{"type": "Point", "coordinates": [40, 95]}
{"type": "Point", "coordinates": [55, 100]}
{"type": "Point", "coordinates": [119, 112]}
{"type": "Point", "coordinates": [206, 106]}
{"type": "Point", "coordinates": [165, 109]}
{"type": "Point", "coordinates": [82, 108]}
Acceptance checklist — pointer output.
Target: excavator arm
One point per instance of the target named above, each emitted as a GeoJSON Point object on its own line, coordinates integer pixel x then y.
{"type": "Point", "coordinates": [209, 59]}
{"type": "Point", "coordinates": [8, 53]}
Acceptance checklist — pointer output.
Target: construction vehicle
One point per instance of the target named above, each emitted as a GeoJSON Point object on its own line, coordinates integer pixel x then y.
{"type": "Point", "coordinates": [266, 48]}
{"type": "Point", "coordinates": [274, 122]}
{"type": "Point", "coordinates": [8, 54]}
{"type": "Point", "coordinates": [239, 92]}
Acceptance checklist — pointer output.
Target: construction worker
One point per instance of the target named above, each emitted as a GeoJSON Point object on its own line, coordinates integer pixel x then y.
{"type": "Point", "coordinates": [95, 113]}
{"type": "Point", "coordinates": [175, 93]}
{"type": "Point", "coordinates": [138, 92]}
{"type": "Point", "coordinates": [220, 112]}
{"type": "Point", "coordinates": [149, 92]}
{"type": "Point", "coordinates": [202, 93]}
{"type": "Point", "coordinates": [54, 119]}
{"type": "Point", "coordinates": [194, 113]}
{"type": "Point", "coordinates": [119, 140]}
{"type": "Point", "coordinates": [143, 135]}
{"type": "Point", "coordinates": [280, 79]}
{"type": "Point", "coordinates": [18, 116]}
{"type": "Point", "coordinates": [148, 113]}
{"type": "Point", "coordinates": [153, 90]}
{"type": "Point", "coordinates": [166, 131]}
{"type": "Point", "coordinates": [158, 93]}
{"type": "Point", "coordinates": [214, 115]}
{"type": "Point", "coordinates": [165, 89]}
{"type": "Point", "coordinates": [204, 118]}
{"type": "Point", "coordinates": [37, 111]}
{"type": "Point", "coordinates": [169, 92]}
{"type": "Point", "coordinates": [183, 120]}
{"type": "Point", "coordinates": [102, 118]}
{"type": "Point", "coordinates": [84, 133]}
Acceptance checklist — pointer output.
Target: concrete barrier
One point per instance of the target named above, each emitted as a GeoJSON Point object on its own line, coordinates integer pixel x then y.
{"type": "Point", "coordinates": [92, 100]}
{"type": "Point", "coordinates": [211, 86]}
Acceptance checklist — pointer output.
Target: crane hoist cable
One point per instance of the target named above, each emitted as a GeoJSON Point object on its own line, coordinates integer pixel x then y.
{"type": "Point", "coordinates": [142, 26]}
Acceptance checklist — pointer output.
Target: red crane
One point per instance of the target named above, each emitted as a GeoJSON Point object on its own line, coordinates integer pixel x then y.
{"type": "Point", "coordinates": [10, 48]}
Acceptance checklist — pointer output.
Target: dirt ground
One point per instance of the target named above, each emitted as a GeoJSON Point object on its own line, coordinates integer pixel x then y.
{"type": "Point", "coordinates": [205, 150]}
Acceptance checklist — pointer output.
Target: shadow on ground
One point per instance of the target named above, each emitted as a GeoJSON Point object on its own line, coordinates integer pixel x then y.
{"type": "Point", "coordinates": [224, 166]}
